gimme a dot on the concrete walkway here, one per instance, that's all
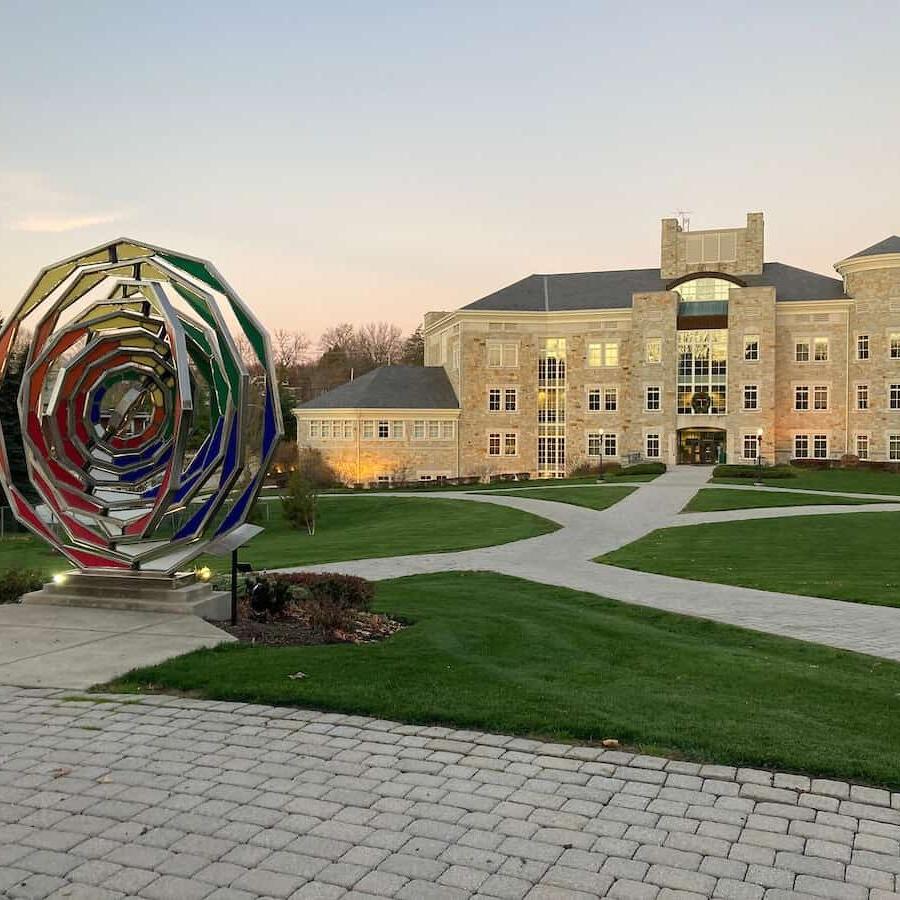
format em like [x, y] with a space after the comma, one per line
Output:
[57, 646]
[167, 798]
[564, 558]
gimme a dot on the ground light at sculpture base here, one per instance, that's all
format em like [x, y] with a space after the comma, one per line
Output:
[145, 434]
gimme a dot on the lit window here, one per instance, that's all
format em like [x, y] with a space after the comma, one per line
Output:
[384, 429]
[368, 429]
[801, 351]
[862, 396]
[652, 445]
[801, 446]
[820, 397]
[654, 350]
[705, 288]
[751, 446]
[611, 399]
[751, 396]
[820, 349]
[862, 446]
[593, 443]
[502, 354]
[603, 354]
[894, 396]
[862, 346]
[397, 430]
[820, 446]
[419, 430]
[751, 347]
[510, 400]
[610, 445]
[494, 444]
[894, 339]
[801, 397]
[494, 400]
[594, 400]
[448, 430]
[653, 398]
[894, 446]
[510, 441]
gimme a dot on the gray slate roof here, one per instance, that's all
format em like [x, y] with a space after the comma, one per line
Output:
[391, 387]
[888, 245]
[613, 290]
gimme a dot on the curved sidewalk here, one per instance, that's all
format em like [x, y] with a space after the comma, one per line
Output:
[564, 557]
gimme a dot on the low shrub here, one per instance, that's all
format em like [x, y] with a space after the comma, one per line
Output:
[590, 469]
[312, 467]
[325, 618]
[15, 582]
[344, 591]
[269, 596]
[735, 471]
[644, 468]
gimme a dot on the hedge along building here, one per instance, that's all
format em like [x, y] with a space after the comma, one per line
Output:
[714, 355]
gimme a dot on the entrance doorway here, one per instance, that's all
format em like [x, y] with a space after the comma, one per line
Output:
[698, 447]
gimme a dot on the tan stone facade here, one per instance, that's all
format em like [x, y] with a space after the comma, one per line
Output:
[707, 354]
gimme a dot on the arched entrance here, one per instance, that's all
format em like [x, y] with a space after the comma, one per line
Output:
[701, 446]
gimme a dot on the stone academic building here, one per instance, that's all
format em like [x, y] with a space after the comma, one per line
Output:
[715, 355]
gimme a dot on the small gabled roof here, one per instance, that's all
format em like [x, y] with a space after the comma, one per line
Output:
[391, 387]
[888, 245]
[613, 290]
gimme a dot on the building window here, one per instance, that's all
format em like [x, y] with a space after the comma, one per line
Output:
[603, 354]
[894, 396]
[594, 400]
[368, 429]
[801, 446]
[820, 446]
[397, 431]
[751, 396]
[862, 346]
[702, 371]
[594, 445]
[510, 400]
[348, 429]
[894, 446]
[862, 446]
[801, 351]
[751, 347]
[751, 446]
[494, 400]
[384, 479]
[652, 446]
[418, 431]
[610, 445]
[502, 354]
[455, 366]
[384, 430]
[862, 396]
[448, 430]
[314, 428]
[801, 397]
[653, 398]
[610, 399]
[494, 443]
[820, 397]
[820, 349]
[654, 350]
[510, 442]
[894, 339]
[434, 430]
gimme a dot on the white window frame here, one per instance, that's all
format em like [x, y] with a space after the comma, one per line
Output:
[502, 354]
[511, 438]
[797, 389]
[419, 430]
[507, 393]
[751, 348]
[495, 399]
[817, 354]
[893, 446]
[315, 429]
[495, 443]
[398, 430]
[384, 429]
[595, 393]
[804, 355]
[655, 436]
[862, 444]
[751, 404]
[862, 346]
[448, 430]
[894, 344]
[647, 400]
[593, 440]
[610, 444]
[368, 429]
[820, 397]
[805, 445]
[752, 440]
[862, 396]
[603, 354]
[894, 396]
[816, 439]
[614, 392]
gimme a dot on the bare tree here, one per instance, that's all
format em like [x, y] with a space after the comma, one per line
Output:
[339, 337]
[381, 343]
[289, 349]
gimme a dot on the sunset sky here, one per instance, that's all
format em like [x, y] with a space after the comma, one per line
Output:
[359, 161]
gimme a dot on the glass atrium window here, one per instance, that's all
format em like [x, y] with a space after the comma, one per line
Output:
[702, 371]
[705, 289]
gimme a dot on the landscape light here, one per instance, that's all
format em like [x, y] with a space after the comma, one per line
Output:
[59, 578]
[204, 573]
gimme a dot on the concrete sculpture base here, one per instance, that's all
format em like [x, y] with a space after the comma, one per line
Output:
[181, 593]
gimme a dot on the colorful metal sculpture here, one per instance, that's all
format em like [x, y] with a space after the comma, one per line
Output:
[133, 404]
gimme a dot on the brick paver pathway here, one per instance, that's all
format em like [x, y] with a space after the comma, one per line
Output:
[173, 799]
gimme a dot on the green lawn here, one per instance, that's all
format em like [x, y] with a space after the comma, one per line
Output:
[491, 652]
[863, 481]
[851, 556]
[713, 499]
[591, 497]
[348, 528]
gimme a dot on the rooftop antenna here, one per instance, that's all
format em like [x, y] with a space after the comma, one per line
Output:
[684, 217]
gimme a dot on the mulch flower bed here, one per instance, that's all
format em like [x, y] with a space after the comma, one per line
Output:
[292, 628]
